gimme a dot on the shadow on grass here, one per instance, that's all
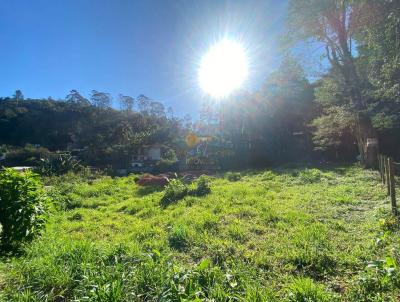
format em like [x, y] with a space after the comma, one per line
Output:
[8, 251]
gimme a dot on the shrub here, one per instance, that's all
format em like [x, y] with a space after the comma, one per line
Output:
[57, 164]
[26, 156]
[177, 190]
[202, 186]
[378, 282]
[174, 191]
[231, 176]
[166, 165]
[22, 207]
[389, 224]
[169, 154]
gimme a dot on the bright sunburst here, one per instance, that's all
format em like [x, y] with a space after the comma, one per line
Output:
[223, 69]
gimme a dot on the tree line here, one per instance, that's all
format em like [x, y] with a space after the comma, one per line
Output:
[334, 116]
[339, 114]
[105, 135]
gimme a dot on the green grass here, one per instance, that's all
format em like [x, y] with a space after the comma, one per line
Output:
[276, 235]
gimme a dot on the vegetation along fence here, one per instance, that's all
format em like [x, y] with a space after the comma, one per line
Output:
[387, 170]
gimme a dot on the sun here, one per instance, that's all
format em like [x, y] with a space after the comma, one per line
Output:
[223, 69]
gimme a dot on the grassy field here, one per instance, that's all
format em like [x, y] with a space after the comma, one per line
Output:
[289, 234]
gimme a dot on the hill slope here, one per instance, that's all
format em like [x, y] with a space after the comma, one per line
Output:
[286, 234]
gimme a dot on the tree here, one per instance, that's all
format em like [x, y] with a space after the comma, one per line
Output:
[101, 99]
[187, 122]
[157, 109]
[329, 91]
[75, 97]
[334, 130]
[126, 102]
[270, 125]
[379, 47]
[143, 104]
[379, 59]
[211, 117]
[170, 112]
[18, 96]
[333, 23]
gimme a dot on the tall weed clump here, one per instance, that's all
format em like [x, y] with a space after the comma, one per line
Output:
[58, 164]
[177, 190]
[306, 290]
[232, 176]
[202, 186]
[22, 208]
[174, 191]
[379, 281]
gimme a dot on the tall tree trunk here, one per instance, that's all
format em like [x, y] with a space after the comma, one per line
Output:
[341, 59]
[366, 135]
[367, 141]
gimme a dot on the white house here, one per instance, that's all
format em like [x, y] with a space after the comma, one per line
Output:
[146, 156]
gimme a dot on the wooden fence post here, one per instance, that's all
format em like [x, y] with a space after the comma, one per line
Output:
[381, 168]
[387, 179]
[392, 186]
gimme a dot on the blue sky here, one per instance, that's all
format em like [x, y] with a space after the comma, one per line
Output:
[49, 47]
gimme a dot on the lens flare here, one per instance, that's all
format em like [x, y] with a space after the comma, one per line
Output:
[223, 69]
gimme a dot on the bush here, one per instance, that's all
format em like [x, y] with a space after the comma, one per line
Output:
[22, 207]
[231, 176]
[202, 186]
[57, 164]
[379, 281]
[166, 165]
[26, 156]
[391, 223]
[169, 154]
[175, 191]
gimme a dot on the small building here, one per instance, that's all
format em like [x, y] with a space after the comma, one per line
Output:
[146, 157]
[148, 153]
